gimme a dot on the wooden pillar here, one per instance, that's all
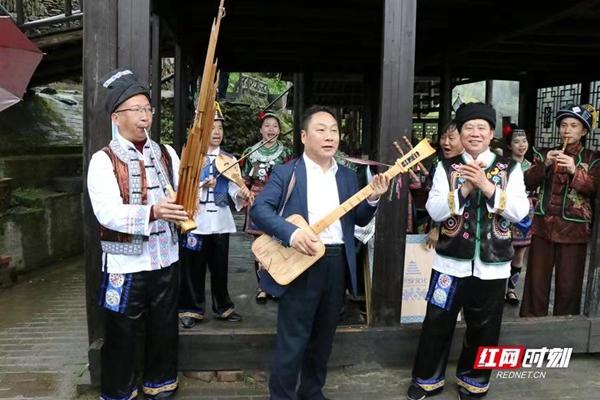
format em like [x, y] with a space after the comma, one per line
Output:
[489, 91]
[592, 297]
[156, 75]
[106, 46]
[528, 108]
[68, 8]
[298, 110]
[20, 11]
[585, 91]
[181, 88]
[396, 103]
[445, 98]
[133, 41]
[367, 117]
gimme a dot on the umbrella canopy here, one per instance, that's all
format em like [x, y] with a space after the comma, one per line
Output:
[19, 58]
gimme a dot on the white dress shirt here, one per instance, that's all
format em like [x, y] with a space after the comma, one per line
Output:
[211, 218]
[159, 250]
[516, 208]
[322, 198]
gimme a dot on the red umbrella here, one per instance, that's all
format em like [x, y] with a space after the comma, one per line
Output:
[19, 58]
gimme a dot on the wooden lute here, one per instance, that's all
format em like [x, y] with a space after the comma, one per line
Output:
[285, 264]
[230, 169]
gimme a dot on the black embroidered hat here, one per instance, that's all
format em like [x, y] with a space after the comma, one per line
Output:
[121, 84]
[469, 111]
[586, 113]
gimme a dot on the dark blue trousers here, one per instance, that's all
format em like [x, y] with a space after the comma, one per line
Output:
[306, 322]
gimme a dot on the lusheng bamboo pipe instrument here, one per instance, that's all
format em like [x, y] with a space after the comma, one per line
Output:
[194, 151]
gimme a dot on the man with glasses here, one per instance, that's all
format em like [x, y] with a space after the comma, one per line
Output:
[475, 195]
[126, 184]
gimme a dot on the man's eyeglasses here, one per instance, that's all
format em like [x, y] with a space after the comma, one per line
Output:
[140, 110]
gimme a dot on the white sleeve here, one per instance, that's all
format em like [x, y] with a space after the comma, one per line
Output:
[233, 190]
[107, 202]
[512, 203]
[439, 202]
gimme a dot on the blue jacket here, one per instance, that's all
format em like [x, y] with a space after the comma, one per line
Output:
[265, 212]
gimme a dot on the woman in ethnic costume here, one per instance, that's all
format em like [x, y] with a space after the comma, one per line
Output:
[258, 167]
[517, 144]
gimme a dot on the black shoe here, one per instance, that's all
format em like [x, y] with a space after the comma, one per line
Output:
[187, 322]
[415, 392]
[231, 317]
[261, 297]
[511, 297]
[464, 394]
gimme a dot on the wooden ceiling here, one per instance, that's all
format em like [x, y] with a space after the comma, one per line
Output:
[551, 40]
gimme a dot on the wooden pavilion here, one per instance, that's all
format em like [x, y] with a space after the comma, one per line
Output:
[383, 49]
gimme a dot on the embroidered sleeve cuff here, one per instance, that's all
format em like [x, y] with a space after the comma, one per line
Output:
[497, 203]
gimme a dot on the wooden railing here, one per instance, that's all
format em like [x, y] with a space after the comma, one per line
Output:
[59, 22]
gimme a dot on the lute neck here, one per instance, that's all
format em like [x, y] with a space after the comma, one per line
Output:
[418, 153]
[352, 202]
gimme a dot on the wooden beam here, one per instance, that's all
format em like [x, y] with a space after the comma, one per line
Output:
[99, 40]
[522, 23]
[396, 107]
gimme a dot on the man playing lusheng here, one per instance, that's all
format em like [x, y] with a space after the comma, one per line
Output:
[139, 245]
[476, 196]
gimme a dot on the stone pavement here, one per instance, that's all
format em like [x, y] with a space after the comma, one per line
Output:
[43, 334]
[43, 351]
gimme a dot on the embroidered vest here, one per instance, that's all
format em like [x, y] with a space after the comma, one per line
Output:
[557, 197]
[477, 231]
[131, 178]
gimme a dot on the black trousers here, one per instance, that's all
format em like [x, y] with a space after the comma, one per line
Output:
[482, 304]
[306, 321]
[214, 255]
[151, 306]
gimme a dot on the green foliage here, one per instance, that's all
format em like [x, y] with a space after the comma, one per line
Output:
[167, 117]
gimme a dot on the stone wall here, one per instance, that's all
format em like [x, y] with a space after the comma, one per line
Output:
[46, 229]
